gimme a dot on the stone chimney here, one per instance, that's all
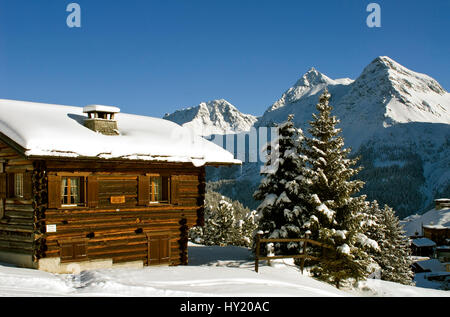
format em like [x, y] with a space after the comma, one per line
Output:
[442, 203]
[101, 119]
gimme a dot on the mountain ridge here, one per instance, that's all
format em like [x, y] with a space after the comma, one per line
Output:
[396, 119]
[213, 117]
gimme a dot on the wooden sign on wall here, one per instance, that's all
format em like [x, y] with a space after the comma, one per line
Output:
[117, 199]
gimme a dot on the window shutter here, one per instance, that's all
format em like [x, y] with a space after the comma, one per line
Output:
[174, 190]
[73, 249]
[27, 185]
[10, 185]
[165, 183]
[79, 250]
[54, 191]
[3, 193]
[92, 191]
[164, 247]
[158, 248]
[153, 250]
[66, 251]
[3, 185]
[144, 190]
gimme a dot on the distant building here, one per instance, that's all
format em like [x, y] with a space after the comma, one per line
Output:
[438, 233]
[423, 247]
[431, 265]
[442, 203]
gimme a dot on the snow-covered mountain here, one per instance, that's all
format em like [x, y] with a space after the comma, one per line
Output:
[385, 94]
[397, 120]
[213, 117]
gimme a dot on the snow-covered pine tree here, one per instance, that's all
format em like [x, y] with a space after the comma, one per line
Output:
[337, 215]
[284, 190]
[219, 224]
[227, 222]
[393, 257]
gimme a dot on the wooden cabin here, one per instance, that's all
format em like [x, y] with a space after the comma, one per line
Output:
[93, 187]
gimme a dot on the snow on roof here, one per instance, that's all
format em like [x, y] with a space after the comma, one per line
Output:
[433, 217]
[433, 265]
[58, 131]
[101, 108]
[423, 242]
[435, 227]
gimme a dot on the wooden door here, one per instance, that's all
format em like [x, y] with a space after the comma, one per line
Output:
[158, 248]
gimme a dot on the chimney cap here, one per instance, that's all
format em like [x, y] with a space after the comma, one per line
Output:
[100, 108]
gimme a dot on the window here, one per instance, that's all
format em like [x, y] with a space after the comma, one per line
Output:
[72, 191]
[18, 185]
[159, 189]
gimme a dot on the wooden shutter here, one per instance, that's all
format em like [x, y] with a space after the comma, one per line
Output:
[174, 190]
[3, 192]
[158, 248]
[72, 249]
[3, 185]
[10, 185]
[79, 250]
[92, 191]
[144, 190]
[27, 185]
[164, 249]
[66, 251]
[153, 250]
[165, 184]
[54, 191]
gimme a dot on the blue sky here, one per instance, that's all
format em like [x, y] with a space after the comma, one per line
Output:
[152, 57]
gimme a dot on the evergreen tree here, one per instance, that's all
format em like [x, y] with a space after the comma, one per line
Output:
[227, 222]
[337, 215]
[393, 257]
[284, 189]
[219, 229]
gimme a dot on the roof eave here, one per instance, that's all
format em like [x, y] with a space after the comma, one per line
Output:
[13, 144]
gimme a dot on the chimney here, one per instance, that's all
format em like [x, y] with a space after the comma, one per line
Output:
[442, 203]
[101, 119]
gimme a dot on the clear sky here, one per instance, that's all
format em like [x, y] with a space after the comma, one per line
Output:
[152, 57]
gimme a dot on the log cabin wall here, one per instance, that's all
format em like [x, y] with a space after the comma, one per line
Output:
[117, 221]
[18, 240]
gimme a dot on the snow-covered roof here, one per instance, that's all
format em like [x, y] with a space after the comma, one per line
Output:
[423, 242]
[433, 217]
[433, 265]
[57, 131]
[101, 108]
[435, 227]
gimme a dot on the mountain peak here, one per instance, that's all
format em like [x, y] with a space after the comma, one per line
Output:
[386, 60]
[312, 78]
[386, 64]
[213, 117]
[384, 70]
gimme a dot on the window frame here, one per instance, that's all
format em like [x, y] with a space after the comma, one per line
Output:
[161, 201]
[18, 185]
[82, 189]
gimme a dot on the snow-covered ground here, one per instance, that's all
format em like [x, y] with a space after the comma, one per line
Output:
[212, 272]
